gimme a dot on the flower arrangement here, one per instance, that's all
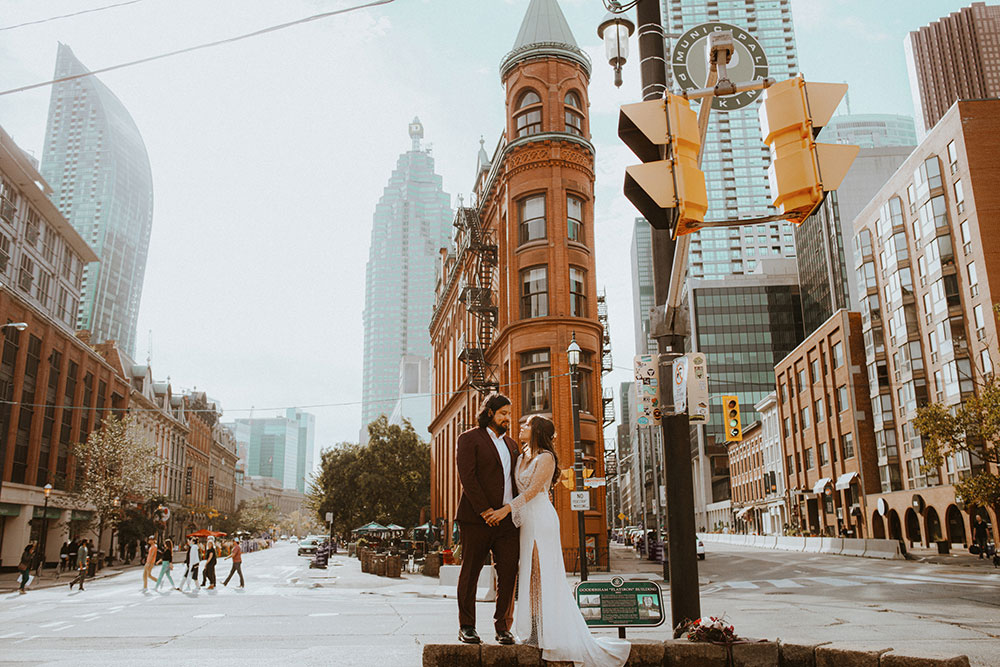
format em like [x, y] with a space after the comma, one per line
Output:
[712, 629]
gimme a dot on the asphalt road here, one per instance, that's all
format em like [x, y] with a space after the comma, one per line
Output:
[294, 615]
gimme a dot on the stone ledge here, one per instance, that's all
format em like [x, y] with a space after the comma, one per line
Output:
[682, 653]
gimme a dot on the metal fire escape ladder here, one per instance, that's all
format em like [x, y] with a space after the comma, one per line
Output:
[478, 300]
[607, 365]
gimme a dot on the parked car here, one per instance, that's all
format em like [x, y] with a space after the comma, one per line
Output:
[700, 549]
[307, 547]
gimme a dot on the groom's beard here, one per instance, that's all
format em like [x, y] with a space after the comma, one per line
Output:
[500, 430]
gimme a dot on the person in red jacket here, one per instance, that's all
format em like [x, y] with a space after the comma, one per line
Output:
[237, 555]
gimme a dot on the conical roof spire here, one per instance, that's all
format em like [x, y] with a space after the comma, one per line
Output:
[544, 31]
[483, 162]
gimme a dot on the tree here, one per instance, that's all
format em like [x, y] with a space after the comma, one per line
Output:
[973, 427]
[387, 480]
[256, 515]
[299, 522]
[115, 464]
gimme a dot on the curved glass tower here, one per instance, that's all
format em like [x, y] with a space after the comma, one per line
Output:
[95, 160]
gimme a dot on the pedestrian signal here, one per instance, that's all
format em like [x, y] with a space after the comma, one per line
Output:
[802, 171]
[669, 187]
[731, 418]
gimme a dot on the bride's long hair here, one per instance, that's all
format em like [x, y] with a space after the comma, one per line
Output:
[543, 432]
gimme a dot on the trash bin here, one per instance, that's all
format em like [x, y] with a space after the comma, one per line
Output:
[944, 546]
[393, 566]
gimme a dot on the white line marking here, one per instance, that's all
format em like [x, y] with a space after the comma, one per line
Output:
[883, 580]
[784, 583]
[209, 615]
[65, 627]
[49, 625]
[741, 584]
[13, 634]
[830, 581]
[27, 639]
[327, 613]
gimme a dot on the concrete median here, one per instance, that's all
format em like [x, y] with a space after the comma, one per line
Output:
[831, 545]
[885, 549]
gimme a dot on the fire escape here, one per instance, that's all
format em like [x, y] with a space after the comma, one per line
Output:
[478, 300]
[608, 393]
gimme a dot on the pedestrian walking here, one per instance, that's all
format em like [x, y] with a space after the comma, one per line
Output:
[130, 551]
[81, 565]
[64, 557]
[166, 561]
[24, 567]
[980, 535]
[211, 556]
[193, 559]
[39, 561]
[237, 556]
[151, 560]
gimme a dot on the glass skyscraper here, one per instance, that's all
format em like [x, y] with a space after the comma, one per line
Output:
[96, 162]
[642, 285]
[412, 222]
[279, 447]
[870, 130]
[735, 157]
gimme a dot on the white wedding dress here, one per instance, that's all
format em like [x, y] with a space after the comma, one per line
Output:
[546, 614]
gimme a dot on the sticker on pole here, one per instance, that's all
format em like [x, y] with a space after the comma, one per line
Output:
[689, 63]
[620, 603]
[579, 500]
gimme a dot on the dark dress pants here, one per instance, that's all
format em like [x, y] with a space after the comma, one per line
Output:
[478, 541]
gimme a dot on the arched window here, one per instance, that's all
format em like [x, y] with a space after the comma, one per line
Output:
[574, 117]
[528, 121]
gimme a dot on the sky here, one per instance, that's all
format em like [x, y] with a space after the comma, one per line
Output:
[269, 155]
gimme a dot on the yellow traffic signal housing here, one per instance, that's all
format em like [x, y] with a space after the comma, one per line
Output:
[568, 478]
[802, 171]
[668, 188]
[731, 418]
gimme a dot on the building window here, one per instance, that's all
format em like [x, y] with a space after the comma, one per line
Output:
[800, 380]
[808, 455]
[822, 453]
[535, 387]
[577, 292]
[27, 274]
[838, 354]
[531, 215]
[847, 446]
[574, 117]
[534, 292]
[787, 428]
[814, 371]
[952, 156]
[528, 120]
[804, 418]
[842, 398]
[574, 218]
[586, 374]
[959, 197]
[973, 278]
[820, 410]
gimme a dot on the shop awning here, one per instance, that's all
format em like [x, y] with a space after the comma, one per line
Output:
[820, 485]
[844, 481]
[10, 509]
[739, 515]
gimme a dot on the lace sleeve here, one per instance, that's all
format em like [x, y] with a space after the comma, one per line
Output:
[541, 479]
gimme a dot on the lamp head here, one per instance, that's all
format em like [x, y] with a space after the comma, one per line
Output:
[573, 352]
[615, 30]
[48, 489]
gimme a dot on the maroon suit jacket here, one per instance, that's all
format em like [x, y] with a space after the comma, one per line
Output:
[481, 473]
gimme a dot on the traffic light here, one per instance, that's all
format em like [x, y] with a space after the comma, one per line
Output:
[791, 115]
[568, 478]
[668, 188]
[731, 418]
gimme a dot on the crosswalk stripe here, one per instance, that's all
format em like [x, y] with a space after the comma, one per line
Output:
[741, 584]
[784, 583]
[882, 580]
[831, 581]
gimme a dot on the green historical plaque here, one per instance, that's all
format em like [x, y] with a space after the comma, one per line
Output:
[620, 603]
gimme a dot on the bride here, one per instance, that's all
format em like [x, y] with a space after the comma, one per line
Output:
[546, 614]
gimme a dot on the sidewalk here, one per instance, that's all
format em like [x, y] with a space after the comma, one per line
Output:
[958, 557]
[11, 581]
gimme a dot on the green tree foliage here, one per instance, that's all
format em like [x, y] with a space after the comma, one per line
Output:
[972, 427]
[256, 515]
[116, 465]
[388, 480]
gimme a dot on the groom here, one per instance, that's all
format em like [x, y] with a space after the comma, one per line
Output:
[486, 463]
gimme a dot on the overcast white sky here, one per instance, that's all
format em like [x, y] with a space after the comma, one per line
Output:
[268, 157]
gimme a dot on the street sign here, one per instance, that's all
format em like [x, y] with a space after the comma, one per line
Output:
[579, 500]
[329, 517]
[690, 66]
[646, 389]
[620, 603]
[621, 515]
[594, 481]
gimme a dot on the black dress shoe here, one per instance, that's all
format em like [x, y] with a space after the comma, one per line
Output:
[467, 635]
[504, 637]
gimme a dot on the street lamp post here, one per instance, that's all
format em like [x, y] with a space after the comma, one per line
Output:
[573, 356]
[45, 521]
[615, 30]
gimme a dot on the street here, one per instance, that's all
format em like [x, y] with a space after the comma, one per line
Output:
[307, 617]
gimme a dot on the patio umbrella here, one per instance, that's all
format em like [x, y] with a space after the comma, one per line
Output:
[393, 527]
[373, 527]
[204, 532]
